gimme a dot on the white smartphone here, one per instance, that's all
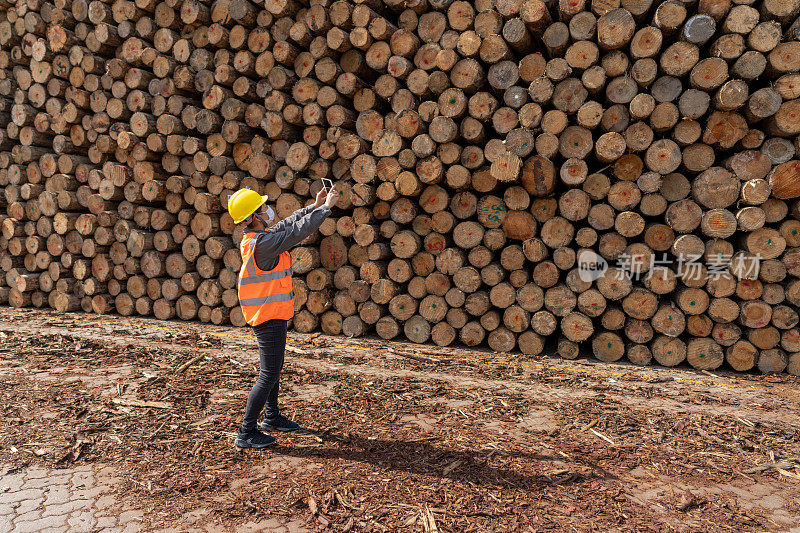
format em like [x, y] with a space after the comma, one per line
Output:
[327, 185]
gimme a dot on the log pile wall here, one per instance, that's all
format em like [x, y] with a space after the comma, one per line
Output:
[486, 152]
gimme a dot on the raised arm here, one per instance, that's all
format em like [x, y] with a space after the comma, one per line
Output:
[294, 217]
[275, 241]
[284, 235]
[303, 211]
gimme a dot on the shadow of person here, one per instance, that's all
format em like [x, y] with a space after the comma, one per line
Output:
[420, 457]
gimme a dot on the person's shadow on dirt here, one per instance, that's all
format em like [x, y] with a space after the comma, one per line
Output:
[422, 458]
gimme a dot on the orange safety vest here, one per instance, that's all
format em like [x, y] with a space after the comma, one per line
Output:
[264, 294]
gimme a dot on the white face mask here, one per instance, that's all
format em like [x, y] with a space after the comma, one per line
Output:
[270, 216]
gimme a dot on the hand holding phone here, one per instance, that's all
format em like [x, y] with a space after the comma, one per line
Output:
[332, 198]
[322, 195]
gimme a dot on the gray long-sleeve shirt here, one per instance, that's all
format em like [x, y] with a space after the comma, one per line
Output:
[287, 233]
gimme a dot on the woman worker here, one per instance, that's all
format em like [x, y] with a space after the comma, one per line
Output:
[266, 297]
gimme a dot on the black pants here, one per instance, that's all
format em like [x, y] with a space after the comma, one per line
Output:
[271, 337]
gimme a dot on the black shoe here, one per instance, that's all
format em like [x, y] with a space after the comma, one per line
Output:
[279, 423]
[256, 439]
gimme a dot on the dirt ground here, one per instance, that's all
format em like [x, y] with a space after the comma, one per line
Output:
[399, 437]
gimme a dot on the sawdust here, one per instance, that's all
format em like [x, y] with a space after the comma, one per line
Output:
[394, 443]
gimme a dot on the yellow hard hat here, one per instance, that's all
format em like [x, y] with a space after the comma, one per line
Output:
[244, 203]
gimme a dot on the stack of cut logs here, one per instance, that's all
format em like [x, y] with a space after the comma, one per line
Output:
[484, 149]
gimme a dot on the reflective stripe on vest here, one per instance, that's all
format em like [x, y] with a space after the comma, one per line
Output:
[269, 276]
[262, 295]
[267, 299]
